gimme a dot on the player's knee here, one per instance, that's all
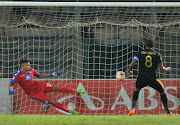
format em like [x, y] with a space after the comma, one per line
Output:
[56, 89]
[51, 101]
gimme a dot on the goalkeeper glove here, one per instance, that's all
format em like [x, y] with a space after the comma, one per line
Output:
[11, 92]
[55, 74]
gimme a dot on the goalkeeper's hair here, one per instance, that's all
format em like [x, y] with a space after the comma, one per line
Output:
[149, 43]
[23, 61]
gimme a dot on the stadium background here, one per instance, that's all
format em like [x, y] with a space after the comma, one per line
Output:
[11, 54]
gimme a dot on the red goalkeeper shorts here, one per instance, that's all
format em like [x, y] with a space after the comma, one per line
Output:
[43, 89]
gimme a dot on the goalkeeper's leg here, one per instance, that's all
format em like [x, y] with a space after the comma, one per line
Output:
[62, 107]
[67, 90]
[45, 107]
[42, 97]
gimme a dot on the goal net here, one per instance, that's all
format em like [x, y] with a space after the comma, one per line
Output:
[88, 45]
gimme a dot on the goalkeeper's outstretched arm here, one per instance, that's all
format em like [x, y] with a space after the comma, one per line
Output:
[44, 76]
[11, 91]
[10, 86]
[48, 75]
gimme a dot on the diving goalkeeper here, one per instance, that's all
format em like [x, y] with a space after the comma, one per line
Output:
[38, 90]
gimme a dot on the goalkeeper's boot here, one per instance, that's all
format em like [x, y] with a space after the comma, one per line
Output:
[131, 112]
[73, 112]
[45, 107]
[82, 91]
[169, 113]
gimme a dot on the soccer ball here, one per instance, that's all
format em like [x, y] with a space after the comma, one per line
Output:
[120, 75]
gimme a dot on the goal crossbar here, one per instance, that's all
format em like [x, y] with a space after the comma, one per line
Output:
[93, 4]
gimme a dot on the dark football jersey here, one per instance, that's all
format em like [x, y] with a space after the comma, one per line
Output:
[148, 62]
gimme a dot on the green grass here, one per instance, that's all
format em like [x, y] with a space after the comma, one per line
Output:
[89, 120]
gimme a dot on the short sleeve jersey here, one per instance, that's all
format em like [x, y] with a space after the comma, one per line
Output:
[26, 80]
[148, 60]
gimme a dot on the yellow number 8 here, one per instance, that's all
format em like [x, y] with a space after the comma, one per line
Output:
[148, 62]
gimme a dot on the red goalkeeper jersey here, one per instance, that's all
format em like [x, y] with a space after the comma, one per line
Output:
[26, 80]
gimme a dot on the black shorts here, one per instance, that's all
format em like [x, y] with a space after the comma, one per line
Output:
[156, 84]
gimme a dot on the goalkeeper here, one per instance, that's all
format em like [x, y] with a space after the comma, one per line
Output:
[38, 90]
[148, 60]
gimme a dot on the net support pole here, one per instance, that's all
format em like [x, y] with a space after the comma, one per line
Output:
[152, 21]
[79, 45]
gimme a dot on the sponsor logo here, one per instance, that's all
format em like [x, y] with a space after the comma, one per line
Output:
[87, 99]
[107, 97]
[28, 77]
[126, 100]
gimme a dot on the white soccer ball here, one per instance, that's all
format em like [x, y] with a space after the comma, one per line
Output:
[120, 75]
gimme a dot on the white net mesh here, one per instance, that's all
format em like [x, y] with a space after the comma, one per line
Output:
[89, 45]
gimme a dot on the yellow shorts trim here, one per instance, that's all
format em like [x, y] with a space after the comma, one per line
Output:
[159, 81]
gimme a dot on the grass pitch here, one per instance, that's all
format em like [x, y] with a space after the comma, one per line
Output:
[89, 120]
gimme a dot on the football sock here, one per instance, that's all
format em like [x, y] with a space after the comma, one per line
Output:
[135, 97]
[165, 102]
[60, 106]
[81, 91]
[67, 90]
[73, 112]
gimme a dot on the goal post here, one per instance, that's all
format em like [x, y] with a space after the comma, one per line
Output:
[88, 43]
